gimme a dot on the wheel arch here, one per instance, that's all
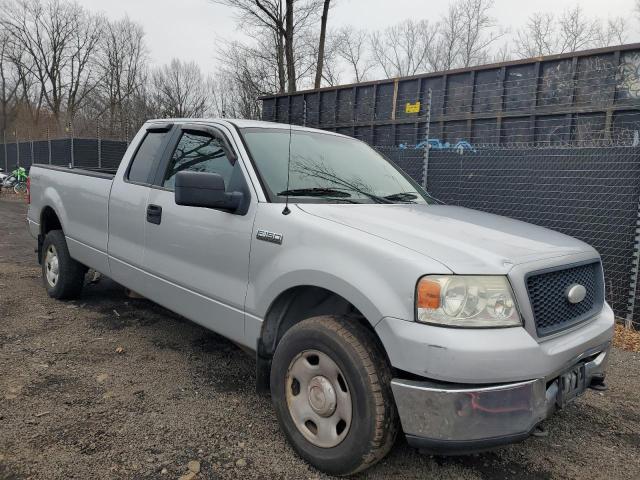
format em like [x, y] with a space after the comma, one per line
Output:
[294, 305]
[49, 220]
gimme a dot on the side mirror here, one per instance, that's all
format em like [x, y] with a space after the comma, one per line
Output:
[201, 189]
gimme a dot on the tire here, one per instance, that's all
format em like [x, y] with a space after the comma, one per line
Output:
[20, 187]
[63, 277]
[369, 430]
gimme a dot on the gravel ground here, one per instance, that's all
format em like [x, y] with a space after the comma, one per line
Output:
[71, 406]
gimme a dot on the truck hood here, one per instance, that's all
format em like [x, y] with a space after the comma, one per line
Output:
[466, 241]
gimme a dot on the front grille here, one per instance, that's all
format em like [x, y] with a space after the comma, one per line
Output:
[547, 289]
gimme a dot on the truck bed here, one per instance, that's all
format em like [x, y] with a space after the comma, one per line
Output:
[80, 199]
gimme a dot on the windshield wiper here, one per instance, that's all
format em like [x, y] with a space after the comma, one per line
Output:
[314, 192]
[410, 196]
[402, 197]
[330, 192]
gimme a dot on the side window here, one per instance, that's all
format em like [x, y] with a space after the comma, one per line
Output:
[199, 152]
[145, 156]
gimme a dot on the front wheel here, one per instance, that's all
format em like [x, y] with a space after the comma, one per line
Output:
[63, 277]
[330, 385]
[20, 188]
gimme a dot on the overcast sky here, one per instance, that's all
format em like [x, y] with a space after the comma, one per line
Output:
[188, 28]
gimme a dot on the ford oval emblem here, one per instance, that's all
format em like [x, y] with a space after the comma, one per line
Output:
[576, 293]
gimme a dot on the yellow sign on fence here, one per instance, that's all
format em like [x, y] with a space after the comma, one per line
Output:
[412, 107]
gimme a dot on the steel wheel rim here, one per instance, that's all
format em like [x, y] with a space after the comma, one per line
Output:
[52, 266]
[318, 398]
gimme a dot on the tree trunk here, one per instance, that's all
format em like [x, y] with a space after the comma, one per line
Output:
[282, 77]
[323, 35]
[289, 50]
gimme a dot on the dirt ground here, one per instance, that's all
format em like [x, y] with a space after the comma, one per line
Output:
[71, 406]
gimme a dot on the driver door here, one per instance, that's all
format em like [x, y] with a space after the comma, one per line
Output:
[198, 258]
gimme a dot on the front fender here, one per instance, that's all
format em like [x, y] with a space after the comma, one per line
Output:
[378, 277]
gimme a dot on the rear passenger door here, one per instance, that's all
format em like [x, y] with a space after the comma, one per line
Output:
[198, 258]
[128, 205]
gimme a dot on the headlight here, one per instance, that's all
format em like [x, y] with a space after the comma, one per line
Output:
[466, 301]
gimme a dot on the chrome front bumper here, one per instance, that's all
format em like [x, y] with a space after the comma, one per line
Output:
[448, 419]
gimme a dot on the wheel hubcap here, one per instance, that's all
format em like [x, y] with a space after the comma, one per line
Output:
[52, 266]
[322, 396]
[318, 398]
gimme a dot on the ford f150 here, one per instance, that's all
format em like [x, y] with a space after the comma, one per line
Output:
[370, 305]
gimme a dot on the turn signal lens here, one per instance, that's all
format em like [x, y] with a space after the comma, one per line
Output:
[428, 294]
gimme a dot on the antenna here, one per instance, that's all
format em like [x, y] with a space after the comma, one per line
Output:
[286, 210]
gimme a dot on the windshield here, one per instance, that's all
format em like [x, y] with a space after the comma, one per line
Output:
[326, 168]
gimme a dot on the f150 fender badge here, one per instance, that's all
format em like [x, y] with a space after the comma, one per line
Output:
[269, 237]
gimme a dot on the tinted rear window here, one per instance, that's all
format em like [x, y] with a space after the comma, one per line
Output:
[143, 161]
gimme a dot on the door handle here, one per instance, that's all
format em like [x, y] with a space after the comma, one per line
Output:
[154, 214]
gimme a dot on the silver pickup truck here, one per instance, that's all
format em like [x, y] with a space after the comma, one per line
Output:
[370, 305]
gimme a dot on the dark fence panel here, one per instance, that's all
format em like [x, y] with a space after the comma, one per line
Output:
[588, 193]
[60, 152]
[112, 152]
[40, 152]
[87, 153]
[12, 156]
[26, 154]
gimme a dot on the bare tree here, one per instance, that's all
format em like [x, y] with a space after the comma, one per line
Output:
[502, 54]
[402, 49]
[544, 34]
[576, 32]
[57, 41]
[283, 19]
[30, 96]
[248, 72]
[180, 89]
[538, 37]
[122, 64]
[9, 83]
[615, 32]
[450, 31]
[266, 15]
[321, 42]
[351, 46]
[309, 50]
[478, 31]
[289, 50]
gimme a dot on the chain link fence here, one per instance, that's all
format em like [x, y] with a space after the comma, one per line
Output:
[591, 193]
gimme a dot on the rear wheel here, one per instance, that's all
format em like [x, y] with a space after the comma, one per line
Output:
[63, 277]
[330, 385]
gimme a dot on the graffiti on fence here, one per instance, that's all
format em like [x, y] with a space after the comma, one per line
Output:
[460, 146]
